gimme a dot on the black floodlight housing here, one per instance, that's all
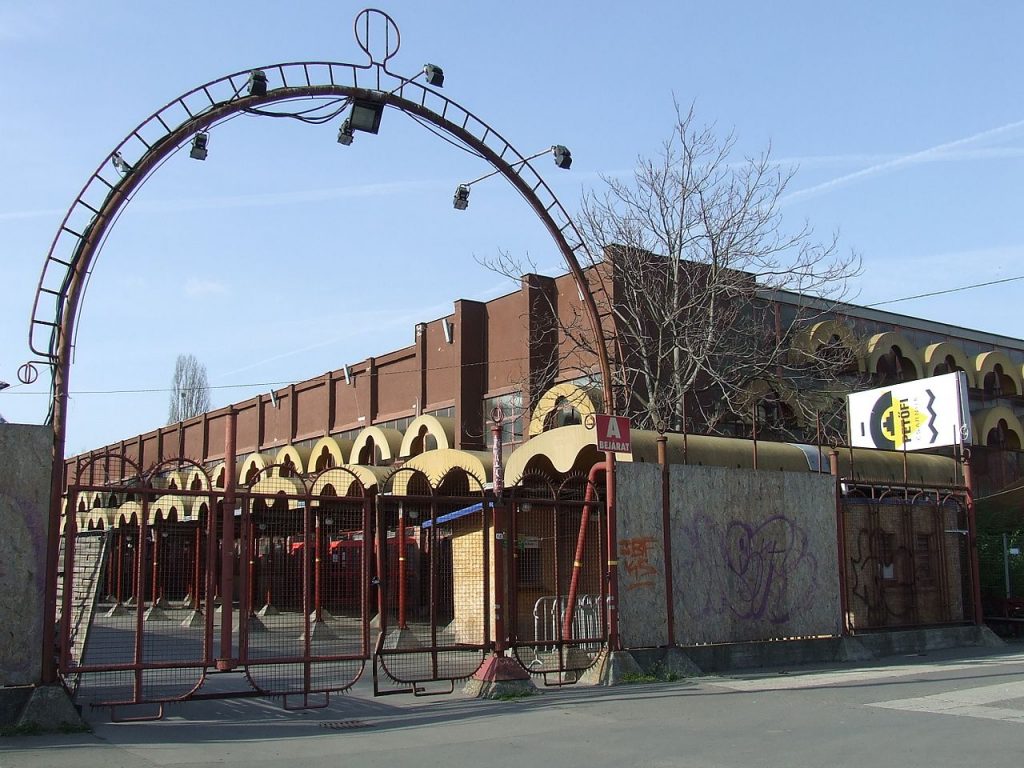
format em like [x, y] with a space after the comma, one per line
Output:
[345, 133]
[563, 157]
[365, 115]
[199, 143]
[119, 163]
[435, 75]
[257, 83]
[461, 199]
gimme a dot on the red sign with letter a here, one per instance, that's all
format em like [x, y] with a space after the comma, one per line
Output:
[613, 433]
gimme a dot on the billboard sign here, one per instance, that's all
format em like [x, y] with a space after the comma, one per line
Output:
[930, 413]
[613, 433]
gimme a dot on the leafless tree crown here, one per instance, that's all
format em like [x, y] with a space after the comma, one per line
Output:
[190, 389]
[687, 257]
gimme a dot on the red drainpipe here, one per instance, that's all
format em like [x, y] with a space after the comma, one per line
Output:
[581, 540]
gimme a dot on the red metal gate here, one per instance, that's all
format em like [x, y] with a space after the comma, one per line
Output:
[907, 561]
[302, 579]
[555, 577]
[277, 588]
[435, 581]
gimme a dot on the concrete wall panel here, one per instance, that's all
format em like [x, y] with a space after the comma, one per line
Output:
[25, 453]
[754, 555]
[642, 609]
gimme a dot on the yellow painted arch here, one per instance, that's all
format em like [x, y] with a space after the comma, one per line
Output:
[172, 503]
[881, 343]
[126, 511]
[221, 467]
[809, 340]
[548, 402]
[441, 428]
[563, 450]
[254, 462]
[93, 516]
[986, 363]
[987, 420]
[388, 440]
[342, 478]
[436, 465]
[298, 456]
[337, 449]
[936, 354]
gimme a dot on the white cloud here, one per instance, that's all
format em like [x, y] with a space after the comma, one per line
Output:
[951, 150]
[197, 287]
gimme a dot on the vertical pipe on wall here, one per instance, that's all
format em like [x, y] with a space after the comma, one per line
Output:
[581, 541]
[666, 539]
[833, 464]
[227, 547]
[972, 539]
[613, 550]
[402, 575]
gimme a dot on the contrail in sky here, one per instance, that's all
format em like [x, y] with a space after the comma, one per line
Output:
[924, 155]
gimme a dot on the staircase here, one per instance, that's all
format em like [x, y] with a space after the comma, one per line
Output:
[91, 549]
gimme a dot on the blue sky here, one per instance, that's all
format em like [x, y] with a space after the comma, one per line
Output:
[285, 255]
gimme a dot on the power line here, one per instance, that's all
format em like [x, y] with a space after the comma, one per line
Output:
[948, 290]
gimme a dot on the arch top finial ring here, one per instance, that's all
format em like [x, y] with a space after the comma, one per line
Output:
[377, 34]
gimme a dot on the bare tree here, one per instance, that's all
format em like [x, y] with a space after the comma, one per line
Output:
[190, 389]
[685, 259]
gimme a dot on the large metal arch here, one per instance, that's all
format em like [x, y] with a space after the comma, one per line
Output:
[107, 192]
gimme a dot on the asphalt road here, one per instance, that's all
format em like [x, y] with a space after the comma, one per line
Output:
[951, 708]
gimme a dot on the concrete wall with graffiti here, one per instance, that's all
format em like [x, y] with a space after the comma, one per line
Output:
[753, 555]
[24, 498]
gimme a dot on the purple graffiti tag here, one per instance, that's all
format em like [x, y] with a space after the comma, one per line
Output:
[755, 571]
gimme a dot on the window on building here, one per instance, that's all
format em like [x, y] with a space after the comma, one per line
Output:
[513, 418]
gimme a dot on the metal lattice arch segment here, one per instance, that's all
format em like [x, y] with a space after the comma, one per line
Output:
[144, 149]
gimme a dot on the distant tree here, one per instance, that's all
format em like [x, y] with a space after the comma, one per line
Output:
[190, 389]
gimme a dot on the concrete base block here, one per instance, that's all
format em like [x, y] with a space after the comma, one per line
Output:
[324, 616]
[850, 649]
[989, 639]
[375, 622]
[500, 677]
[255, 625]
[194, 619]
[400, 639]
[319, 630]
[117, 609]
[12, 701]
[677, 664]
[50, 708]
[267, 610]
[155, 613]
[611, 668]
[902, 642]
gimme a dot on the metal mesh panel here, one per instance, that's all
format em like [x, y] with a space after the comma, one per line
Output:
[906, 563]
[143, 615]
[433, 580]
[557, 598]
[303, 590]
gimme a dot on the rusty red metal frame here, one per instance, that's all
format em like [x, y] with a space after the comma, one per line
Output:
[98, 205]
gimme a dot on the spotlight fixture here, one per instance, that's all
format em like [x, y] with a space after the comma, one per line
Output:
[365, 115]
[199, 142]
[435, 75]
[461, 199]
[563, 157]
[257, 83]
[119, 163]
[345, 133]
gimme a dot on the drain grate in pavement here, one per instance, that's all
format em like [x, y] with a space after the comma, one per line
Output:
[341, 725]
